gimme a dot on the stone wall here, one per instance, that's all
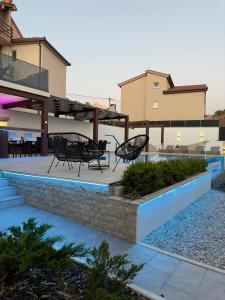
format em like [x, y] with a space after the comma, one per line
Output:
[93, 208]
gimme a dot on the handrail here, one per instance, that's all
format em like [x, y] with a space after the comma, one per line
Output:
[113, 136]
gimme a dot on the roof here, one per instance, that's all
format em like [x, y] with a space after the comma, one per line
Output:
[7, 4]
[16, 27]
[145, 74]
[187, 89]
[43, 40]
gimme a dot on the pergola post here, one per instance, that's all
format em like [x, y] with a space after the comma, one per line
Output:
[162, 136]
[44, 128]
[95, 125]
[147, 133]
[126, 129]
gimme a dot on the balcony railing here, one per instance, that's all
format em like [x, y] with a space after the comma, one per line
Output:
[20, 72]
[5, 30]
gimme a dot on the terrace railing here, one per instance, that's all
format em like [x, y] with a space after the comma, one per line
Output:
[20, 72]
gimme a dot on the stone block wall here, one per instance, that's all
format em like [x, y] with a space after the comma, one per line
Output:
[93, 208]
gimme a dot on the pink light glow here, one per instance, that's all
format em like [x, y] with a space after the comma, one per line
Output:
[5, 99]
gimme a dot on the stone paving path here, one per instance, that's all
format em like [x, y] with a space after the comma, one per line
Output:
[162, 274]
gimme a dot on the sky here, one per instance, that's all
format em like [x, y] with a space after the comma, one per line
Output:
[108, 42]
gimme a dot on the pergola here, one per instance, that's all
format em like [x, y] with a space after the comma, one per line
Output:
[144, 124]
[61, 106]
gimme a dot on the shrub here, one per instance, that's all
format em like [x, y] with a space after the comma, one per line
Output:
[141, 178]
[25, 248]
[108, 274]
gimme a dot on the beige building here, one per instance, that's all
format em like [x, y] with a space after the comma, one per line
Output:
[36, 51]
[153, 96]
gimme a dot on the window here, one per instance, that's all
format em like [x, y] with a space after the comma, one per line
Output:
[156, 85]
[13, 54]
[156, 104]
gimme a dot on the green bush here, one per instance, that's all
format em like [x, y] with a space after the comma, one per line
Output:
[141, 178]
[25, 248]
[109, 275]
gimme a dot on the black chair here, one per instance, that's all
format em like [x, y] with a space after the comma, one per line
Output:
[74, 147]
[131, 149]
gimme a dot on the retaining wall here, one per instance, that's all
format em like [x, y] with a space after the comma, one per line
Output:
[93, 205]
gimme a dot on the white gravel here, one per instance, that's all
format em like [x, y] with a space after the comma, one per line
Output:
[198, 232]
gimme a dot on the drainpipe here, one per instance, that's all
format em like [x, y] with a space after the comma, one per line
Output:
[40, 62]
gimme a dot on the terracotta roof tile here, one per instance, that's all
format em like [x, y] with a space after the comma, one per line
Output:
[187, 88]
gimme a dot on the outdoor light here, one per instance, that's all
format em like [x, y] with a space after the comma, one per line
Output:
[46, 122]
[178, 136]
[4, 121]
[202, 136]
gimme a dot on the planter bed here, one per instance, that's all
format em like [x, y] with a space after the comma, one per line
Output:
[62, 286]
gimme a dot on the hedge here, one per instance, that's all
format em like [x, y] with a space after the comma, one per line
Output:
[142, 178]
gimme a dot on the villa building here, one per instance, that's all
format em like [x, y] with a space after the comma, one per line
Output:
[33, 50]
[153, 96]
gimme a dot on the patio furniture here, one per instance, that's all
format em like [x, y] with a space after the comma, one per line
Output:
[103, 144]
[131, 149]
[14, 144]
[215, 150]
[198, 150]
[168, 149]
[103, 161]
[182, 150]
[73, 147]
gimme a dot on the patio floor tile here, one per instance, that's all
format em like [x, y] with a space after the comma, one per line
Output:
[187, 277]
[165, 263]
[210, 290]
[171, 293]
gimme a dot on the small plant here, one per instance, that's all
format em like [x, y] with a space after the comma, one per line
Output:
[109, 275]
[141, 178]
[26, 247]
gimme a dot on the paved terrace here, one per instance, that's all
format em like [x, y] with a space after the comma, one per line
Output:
[39, 166]
[175, 279]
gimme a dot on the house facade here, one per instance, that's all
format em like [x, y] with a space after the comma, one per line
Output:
[38, 51]
[153, 96]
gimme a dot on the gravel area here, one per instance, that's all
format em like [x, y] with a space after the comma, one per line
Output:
[198, 232]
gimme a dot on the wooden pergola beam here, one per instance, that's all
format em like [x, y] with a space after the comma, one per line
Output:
[95, 125]
[147, 133]
[22, 103]
[162, 135]
[44, 128]
[126, 131]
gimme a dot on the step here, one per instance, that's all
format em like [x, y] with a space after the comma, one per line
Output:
[7, 191]
[11, 201]
[4, 182]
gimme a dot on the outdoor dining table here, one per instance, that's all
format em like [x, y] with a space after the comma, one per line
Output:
[4, 138]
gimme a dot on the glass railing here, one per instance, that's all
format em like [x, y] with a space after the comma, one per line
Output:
[20, 72]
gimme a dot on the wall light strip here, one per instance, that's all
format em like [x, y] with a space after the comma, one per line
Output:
[83, 184]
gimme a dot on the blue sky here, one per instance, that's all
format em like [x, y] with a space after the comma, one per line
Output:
[110, 41]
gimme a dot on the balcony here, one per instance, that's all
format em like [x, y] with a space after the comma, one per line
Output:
[22, 73]
[6, 33]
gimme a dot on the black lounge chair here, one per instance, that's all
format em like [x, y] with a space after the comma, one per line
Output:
[132, 148]
[74, 147]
